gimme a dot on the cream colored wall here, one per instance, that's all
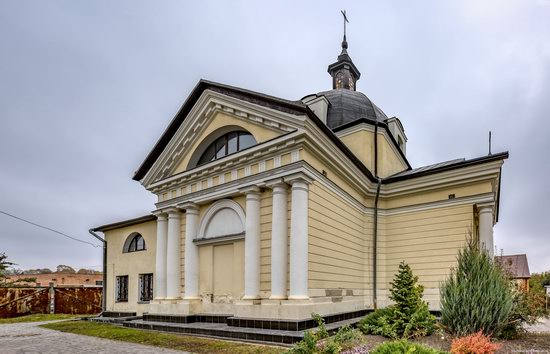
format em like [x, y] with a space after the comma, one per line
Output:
[441, 194]
[131, 264]
[361, 143]
[266, 203]
[428, 241]
[220, 120]
[389, 162]
[340, 239]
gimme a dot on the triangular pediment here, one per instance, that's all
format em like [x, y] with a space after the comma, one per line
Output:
[213, 112]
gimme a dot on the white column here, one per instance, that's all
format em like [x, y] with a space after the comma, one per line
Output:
[279, 241]
[191, 252]
[299, 240]
[252, 244]
[173, 255]
[160, 261]
[486, 228]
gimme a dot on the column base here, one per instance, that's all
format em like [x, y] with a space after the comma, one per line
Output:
[251, 297]
[277, 297]
[175, 306]
[298, 297]
[191, 298]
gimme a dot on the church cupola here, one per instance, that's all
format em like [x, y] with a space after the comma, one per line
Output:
[343, 71]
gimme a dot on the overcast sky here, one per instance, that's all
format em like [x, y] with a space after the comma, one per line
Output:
[87, 87]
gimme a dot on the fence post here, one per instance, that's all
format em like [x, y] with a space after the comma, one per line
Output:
[52, 298]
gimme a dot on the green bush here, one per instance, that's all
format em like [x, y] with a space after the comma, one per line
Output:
[526, 309]
[319, 342]
[377, 322]
[477, 296]
[404, 347]
[409, 317]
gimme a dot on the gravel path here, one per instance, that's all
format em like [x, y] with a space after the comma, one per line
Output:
[542, 327]
[28, 338]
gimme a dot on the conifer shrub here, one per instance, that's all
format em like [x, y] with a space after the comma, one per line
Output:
[477, 296]
[404, 347]
[409, 317]
[476, 343]
[320, 342]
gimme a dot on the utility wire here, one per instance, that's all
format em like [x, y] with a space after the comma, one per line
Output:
[49, 229]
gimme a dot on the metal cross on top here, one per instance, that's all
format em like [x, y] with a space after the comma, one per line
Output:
[345, 20]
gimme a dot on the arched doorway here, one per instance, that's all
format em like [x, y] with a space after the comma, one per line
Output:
[221, 255]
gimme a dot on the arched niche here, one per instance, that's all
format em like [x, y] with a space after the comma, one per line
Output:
[224, 218]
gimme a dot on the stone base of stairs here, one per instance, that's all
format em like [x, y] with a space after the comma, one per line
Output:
[283, 332]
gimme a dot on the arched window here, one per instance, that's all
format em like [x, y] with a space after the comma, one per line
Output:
[134, 242]
[225, 145]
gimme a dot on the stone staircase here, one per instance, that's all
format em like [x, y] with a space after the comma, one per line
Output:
[282, 332]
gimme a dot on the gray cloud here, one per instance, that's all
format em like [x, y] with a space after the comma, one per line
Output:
[86, 88]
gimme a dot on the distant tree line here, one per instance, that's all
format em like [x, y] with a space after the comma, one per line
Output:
[7, 269]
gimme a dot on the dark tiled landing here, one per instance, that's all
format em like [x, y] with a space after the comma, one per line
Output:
[291, 325]
[117, 314]
[114, 319]
[222, 330]
[207, 318]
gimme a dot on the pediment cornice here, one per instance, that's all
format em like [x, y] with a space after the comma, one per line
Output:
[203, 112]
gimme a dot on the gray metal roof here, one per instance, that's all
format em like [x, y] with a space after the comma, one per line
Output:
[428, 168]
[515, 264]
[347, 106]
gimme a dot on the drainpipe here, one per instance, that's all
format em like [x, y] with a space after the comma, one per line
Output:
[376, 148]
[104, 287]
[375, 222]
[375, 246]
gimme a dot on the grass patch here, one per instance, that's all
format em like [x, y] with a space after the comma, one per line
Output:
[39, 317]
[163, 340]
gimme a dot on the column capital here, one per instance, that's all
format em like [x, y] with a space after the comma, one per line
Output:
[253, 189]
[485, 207]
[189, 207]
[173, 212]
[276, 183]
[160, 214]
[299, 177]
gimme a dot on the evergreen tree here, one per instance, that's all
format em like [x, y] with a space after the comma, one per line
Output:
[477, 296]
[411, 316]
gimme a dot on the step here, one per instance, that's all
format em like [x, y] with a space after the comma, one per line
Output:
[222, 330]
[114, 319]
[292, 325]
[117, 314]
[199, 317]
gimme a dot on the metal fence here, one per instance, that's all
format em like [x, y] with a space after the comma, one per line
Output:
[77, 300]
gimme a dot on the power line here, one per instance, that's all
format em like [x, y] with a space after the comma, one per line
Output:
[49, 229]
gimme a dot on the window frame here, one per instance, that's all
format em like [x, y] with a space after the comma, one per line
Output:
[122, 282]
[225, 139]
[146, 287]
[134, 244]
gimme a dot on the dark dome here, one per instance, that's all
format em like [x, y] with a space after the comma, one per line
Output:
[348, 106]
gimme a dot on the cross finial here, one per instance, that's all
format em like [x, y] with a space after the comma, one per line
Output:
[345, 20]
[344, 42]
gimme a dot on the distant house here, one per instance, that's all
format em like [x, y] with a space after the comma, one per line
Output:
[518, 268]
[67, 279]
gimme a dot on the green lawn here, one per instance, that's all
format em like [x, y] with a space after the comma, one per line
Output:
[38, 318]
[164, 340]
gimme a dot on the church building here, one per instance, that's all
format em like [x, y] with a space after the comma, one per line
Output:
[270, 208]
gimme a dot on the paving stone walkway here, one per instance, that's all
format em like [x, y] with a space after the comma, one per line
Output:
[28, 338]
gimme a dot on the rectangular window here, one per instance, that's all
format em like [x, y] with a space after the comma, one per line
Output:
[122, 288]
[145, 287]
